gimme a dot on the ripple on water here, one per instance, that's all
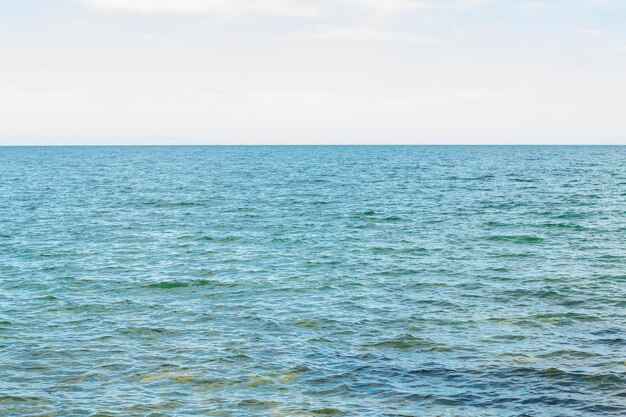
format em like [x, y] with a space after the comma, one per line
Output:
[313, 281]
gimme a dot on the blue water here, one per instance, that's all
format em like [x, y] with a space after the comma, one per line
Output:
[306, 281]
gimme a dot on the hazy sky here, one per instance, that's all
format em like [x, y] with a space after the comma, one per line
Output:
[304, 71]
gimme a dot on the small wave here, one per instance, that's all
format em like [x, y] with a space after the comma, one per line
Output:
[518, 239]
[523, 293]
[212, 283]
[566, 226]
[392, 219]
[327, 412]
[602, 379]
[495, 223]
[371, 215]
[617, 341]
[171, 204]
[22, 399]
[568, 353]
[258, 403]
[398, 272]
[166, 285]
[571, 215]
[517, 255]
[314, 323]
[220, 239]
[568, 317]
[145, 330]
[404, 342]
[506, 338]
[381, 250]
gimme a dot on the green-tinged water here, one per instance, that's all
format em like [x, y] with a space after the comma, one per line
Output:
[313, 281]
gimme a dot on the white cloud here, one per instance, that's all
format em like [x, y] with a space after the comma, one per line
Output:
[612, 51]
[12, 97]
[367, 34]
[427, 71]
[593, 32]
[415, 4]
[594, 3]
[220, 8]
[241, 116]
[534, 5]
[306, 8]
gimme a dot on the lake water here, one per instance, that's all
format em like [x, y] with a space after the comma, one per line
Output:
[313, 281]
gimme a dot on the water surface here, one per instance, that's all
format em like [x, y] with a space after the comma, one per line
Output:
[308, 281]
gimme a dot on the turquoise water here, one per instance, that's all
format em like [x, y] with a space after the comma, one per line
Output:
[306, 281]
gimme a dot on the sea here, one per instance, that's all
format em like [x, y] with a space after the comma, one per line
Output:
[313, 281]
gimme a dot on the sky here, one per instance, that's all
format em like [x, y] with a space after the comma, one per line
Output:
[312, 72]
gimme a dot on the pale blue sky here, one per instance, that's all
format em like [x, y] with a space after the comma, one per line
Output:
[302, 71]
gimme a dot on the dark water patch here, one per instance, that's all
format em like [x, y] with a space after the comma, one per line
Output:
[206, 272]
[565, 317]
[445, 304]
[521, 239]
[216, 383]
[22, 399]
[564, 226]
[514, 321]
[172, 204]
[403, 342]
[592, 409]
[48, 297]
[498, 269]
[381, 250]
[316, 323]
[505, 338]
[520, 293]
[213, 283]
[392, 219]
[568, 354]
[258, 403]
[372, 216]
[616, 341]
[397, 273]
[571, 215]
[327, 412]
[143, 330]
[218, 239]
[426, 284]
[496, 224]
[168, 285]
[607, 331]
[620, 259]
[527, 180]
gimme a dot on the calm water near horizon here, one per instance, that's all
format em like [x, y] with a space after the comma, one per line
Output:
[313, 281]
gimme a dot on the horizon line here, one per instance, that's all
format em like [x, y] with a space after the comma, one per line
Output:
[299, 145]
